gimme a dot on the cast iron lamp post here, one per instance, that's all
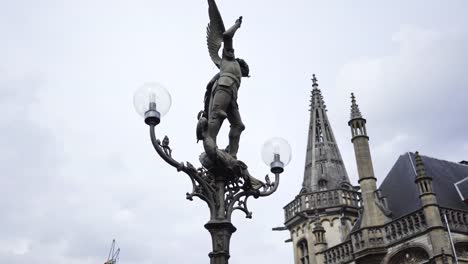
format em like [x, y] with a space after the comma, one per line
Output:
[223, 188]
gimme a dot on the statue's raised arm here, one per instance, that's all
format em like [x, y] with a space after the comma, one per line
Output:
[228, 49]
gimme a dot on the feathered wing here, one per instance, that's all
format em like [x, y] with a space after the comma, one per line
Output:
[214, 32]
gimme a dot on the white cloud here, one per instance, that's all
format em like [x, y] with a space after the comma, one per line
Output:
[15, 246]
[413, 99]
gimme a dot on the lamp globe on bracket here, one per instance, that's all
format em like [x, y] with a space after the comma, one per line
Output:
[152, 101]
[276, 153]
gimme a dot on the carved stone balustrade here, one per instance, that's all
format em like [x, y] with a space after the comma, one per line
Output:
[325, 199]
[393, 232]
[377, 237]
[340, 253]
[405, 227]
[368, 238]
[457, 220]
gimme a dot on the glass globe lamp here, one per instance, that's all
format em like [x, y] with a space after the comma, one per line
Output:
[276, 153]
[152, 101]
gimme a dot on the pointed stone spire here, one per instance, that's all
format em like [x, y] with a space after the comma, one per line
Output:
[357, 122]
[355, 112]
[423, 181]
[316, 98]
[420, 169]
[324, 167]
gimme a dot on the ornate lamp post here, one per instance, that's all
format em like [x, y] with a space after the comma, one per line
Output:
[225, 183]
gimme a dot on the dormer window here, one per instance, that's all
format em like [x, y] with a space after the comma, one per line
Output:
[346, 185]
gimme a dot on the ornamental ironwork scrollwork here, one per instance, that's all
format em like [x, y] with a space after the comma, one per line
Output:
[238, 187]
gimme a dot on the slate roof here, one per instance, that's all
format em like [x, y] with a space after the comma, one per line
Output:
[402, 192]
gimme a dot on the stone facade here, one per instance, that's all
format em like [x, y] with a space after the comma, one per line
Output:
[333, 222]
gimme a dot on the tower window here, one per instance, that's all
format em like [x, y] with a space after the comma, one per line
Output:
[322, 184]
[319, 133]
[303, 252]
[327, 132]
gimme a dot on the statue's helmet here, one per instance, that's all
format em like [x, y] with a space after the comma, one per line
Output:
[244, 67]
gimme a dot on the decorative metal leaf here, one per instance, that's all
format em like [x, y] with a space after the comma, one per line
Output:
[214, 32]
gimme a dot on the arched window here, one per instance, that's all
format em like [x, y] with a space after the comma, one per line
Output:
[411, 255]
[322, 183]
[303, 252]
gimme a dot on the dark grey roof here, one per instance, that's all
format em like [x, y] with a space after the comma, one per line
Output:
[402, 192]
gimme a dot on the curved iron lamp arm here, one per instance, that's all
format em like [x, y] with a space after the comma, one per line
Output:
[157, 146]
[201, 188]
[236, 192]
[272, 188]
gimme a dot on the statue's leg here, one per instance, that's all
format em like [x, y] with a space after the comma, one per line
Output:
[237, 127]
[220, 103]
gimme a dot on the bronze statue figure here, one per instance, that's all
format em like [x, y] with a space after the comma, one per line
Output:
[221, 91]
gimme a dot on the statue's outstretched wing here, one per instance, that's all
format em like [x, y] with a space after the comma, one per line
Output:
[214, 32]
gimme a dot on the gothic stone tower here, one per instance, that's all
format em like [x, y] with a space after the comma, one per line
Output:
[437, 235]
[374, 206]
[415, 216]
[324, 211]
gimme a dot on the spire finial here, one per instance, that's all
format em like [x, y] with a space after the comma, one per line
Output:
[314, 81]
[355, 112]
[420, 169]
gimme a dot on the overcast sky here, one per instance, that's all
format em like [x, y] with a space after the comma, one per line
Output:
[76, 165]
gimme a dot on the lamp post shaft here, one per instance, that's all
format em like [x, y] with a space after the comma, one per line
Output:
[220, 227]
[220, 186]
[221, 231]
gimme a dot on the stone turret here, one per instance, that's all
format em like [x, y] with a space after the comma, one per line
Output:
[438, 236]
[373, 213]
[320, 240]
[319, 235]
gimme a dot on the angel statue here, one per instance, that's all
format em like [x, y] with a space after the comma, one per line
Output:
[221, 91]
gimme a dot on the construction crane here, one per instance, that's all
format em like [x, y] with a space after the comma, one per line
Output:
[113, 257]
